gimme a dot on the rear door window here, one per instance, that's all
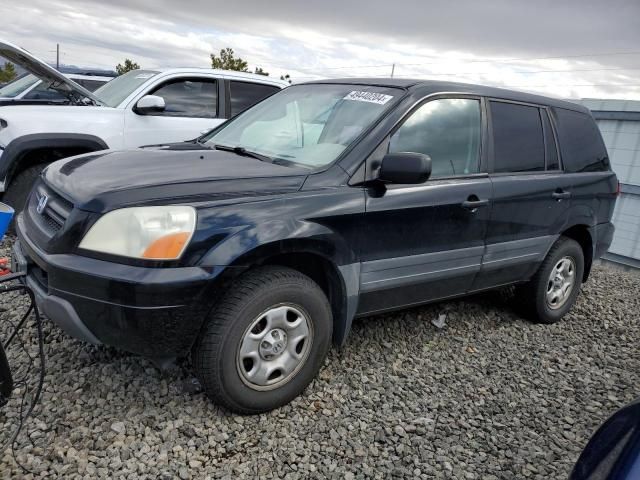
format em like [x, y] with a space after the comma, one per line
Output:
[247, 94]
[518, 141]
[581, 144]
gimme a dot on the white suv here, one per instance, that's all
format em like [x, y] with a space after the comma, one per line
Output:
[141, 107]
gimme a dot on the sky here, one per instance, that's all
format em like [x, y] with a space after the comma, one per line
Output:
[564, 48]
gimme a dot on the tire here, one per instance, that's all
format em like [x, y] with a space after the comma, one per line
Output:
[262, 305]
[19, 189]
[539, 298]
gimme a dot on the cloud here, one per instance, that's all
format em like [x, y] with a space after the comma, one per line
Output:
[570, 48]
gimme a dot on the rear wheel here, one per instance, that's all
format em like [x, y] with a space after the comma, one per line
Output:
[553, 290]
[265, 340]
[19, 189]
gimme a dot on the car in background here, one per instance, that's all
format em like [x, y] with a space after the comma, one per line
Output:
[613, 452]
[141, 107]
[28, 87]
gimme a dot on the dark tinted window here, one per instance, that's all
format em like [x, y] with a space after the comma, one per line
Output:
[518, 144]
[581, 144]
[551, 150]
[245, 95]
[448, 130]
[189, 98]
[90, 85]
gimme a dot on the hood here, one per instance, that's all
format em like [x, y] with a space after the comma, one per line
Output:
[40, 69]
[100, 182]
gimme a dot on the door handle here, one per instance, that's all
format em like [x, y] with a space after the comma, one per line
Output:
[561, 195]
[473, 202]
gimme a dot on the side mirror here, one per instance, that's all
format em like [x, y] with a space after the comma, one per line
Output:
[150, 104]
[405, 167]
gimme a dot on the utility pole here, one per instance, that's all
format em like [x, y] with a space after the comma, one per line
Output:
[58, 57]
[393, 69]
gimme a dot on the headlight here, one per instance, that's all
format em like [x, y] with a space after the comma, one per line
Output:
[156, 233]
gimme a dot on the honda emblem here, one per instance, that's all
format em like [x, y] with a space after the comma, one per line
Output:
[42, 204]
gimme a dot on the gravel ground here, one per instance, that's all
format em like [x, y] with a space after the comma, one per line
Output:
[489, 396]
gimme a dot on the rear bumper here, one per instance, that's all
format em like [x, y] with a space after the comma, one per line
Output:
[155, 312]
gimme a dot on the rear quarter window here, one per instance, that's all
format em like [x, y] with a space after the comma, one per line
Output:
[581, 144]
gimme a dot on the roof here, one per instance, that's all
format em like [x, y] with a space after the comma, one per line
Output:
[228, 73]
[427, 87]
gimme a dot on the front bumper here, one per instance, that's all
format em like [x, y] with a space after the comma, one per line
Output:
[155, 312]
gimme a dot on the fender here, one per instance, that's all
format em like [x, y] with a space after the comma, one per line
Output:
[252, 245]
[17, 148]
[582, 216]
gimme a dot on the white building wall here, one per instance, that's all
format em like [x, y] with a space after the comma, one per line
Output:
[619, 122]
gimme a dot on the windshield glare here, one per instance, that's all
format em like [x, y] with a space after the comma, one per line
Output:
[19, 85]
[114, 92]
[309, 125]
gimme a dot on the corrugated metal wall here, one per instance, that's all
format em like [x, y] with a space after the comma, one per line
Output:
[619, 122]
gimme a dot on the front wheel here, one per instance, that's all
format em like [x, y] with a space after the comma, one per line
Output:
[265, 340]
[553, 290]
[19, 189]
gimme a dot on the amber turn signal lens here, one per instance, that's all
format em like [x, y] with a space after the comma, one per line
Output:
[168, 247]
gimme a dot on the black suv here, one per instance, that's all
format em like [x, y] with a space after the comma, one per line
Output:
[253, 247]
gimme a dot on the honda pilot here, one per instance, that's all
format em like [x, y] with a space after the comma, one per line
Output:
[253, 248]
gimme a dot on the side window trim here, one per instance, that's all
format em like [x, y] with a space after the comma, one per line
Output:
[482, 148]
[540, 107]
[554, 135]
[189, 78]
[224, 98]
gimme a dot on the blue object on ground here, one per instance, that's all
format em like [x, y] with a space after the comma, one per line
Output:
[6, 214]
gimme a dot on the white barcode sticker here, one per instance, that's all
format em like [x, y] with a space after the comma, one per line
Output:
[371, 97]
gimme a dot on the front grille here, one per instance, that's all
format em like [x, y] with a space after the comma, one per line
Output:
[56, 209]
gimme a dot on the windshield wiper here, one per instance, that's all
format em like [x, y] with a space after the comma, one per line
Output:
[244, 152]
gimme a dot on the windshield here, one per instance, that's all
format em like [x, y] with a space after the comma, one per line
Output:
[19, 85]
[114, 92]
[309, 125]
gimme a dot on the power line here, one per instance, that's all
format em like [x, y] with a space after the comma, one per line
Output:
[544, 71]
[504, 60]
[555, 84]
[559, 57]
[514, 71]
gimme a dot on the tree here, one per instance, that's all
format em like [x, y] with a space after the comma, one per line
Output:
[127, 67]
[286, 77]
[7, 72]
[227, 61]
[260, 71]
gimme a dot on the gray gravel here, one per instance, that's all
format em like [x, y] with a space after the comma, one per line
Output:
[488, 396]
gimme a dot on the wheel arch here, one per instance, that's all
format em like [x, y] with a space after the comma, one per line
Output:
[582, 234]
[22, 152]
[317, 260]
